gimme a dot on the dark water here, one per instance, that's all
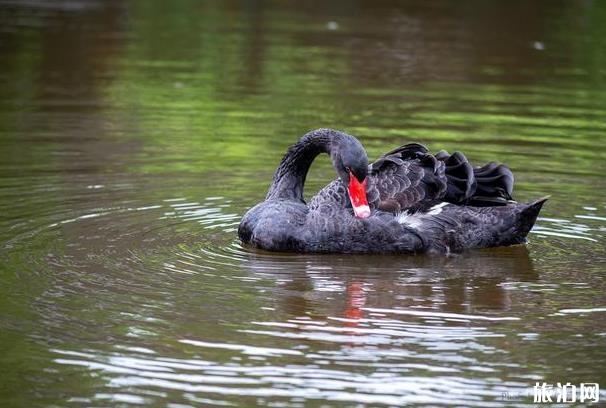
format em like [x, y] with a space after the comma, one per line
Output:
[134, 135]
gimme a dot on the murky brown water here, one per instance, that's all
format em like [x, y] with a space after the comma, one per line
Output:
[134, 135]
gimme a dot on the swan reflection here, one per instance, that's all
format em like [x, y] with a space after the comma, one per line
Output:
[345, 285]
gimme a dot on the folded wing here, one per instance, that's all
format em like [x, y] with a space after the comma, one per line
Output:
[411, 175]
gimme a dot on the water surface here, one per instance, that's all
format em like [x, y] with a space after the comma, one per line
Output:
[134, 135]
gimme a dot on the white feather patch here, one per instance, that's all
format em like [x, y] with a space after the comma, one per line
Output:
[415, 220]
[410, 220]
[436, 209]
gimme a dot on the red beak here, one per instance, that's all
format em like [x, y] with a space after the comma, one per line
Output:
[357, 196]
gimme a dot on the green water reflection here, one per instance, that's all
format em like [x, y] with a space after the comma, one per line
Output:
[133, 135]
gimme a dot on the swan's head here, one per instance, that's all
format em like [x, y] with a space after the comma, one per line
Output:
[351, 162]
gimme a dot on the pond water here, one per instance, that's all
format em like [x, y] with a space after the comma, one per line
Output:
[134, 135]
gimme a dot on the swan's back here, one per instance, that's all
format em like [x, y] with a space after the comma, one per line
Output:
[411, 175]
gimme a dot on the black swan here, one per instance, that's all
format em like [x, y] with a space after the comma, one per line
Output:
[408, 201]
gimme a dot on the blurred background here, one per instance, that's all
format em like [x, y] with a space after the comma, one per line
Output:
[135, 134]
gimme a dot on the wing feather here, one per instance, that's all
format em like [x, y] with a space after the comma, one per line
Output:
[410, 175]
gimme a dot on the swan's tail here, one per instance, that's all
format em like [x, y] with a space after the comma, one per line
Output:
[526, 220]
[453, 228]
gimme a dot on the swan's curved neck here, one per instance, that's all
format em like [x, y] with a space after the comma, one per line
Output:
[289, 178]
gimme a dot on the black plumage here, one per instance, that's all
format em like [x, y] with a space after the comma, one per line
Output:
[419, 202]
